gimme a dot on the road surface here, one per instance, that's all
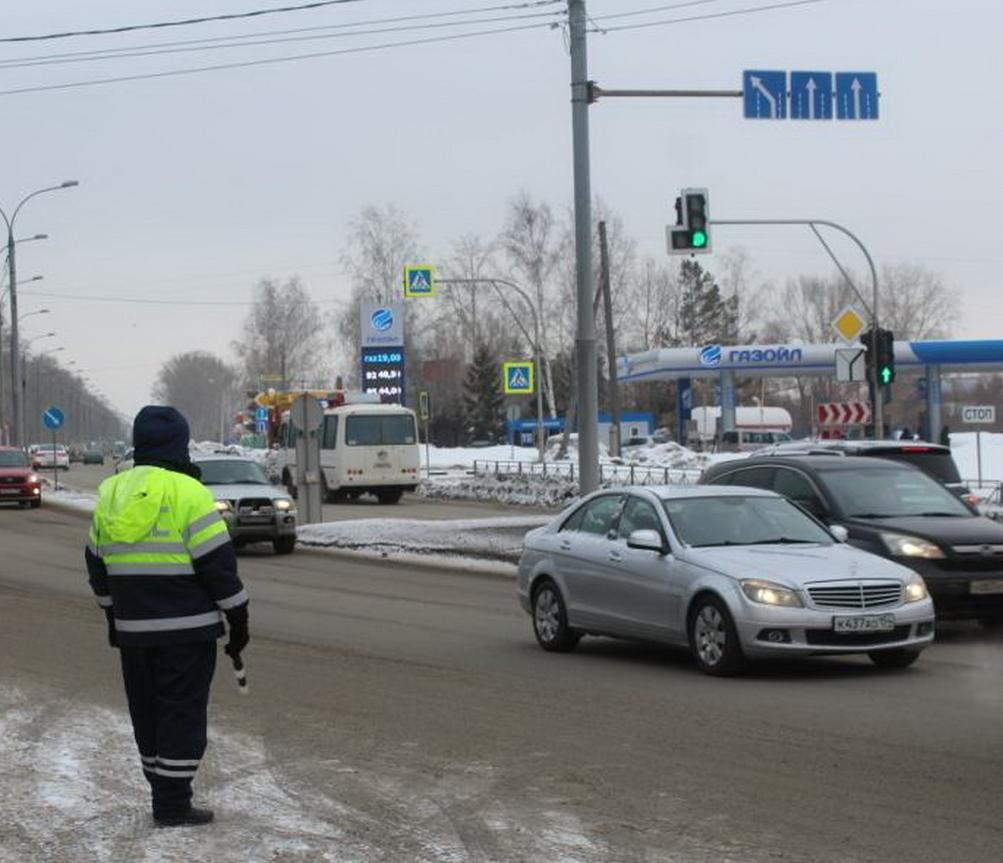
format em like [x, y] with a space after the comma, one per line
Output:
[405, 714]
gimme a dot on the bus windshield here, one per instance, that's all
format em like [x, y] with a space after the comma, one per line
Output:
[380, 430]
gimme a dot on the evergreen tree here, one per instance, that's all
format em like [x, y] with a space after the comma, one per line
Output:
[483, 397]
[705, 317]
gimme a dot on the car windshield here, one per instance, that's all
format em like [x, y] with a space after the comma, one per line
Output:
[227, 472]
[875, 493]
[741, 520]
[13, 459]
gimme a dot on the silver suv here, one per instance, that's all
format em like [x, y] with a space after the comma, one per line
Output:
[254, 510]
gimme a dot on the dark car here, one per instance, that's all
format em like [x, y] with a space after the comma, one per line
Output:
[934, 459]
[18, 481]
[93, 456]
[895, 510]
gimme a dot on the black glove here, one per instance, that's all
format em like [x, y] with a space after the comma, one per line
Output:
[112, 635]
[239, 636]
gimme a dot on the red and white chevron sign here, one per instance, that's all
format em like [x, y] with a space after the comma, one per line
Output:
[843, 413]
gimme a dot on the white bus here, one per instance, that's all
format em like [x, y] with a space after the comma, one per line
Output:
[363, 448]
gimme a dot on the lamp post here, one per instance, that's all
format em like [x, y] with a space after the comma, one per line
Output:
[3, 296]
[15, 356]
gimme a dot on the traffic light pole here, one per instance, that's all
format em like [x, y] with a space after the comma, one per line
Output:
[879, 419]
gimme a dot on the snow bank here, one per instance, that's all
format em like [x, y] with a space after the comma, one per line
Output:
[543, 492]
[491, 539]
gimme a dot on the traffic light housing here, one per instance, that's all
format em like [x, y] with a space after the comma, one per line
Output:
[880, 356]
[885, 358]
[691, 233]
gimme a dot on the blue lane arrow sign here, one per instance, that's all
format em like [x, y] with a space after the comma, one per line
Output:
[811, 95]
[52, 418]
[764, 94]
[856, 96]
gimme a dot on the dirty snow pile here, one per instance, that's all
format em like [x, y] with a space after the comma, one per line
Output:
[542, 492]
[267, 458]
[485, 539]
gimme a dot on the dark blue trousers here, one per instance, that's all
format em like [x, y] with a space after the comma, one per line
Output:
[168, 692]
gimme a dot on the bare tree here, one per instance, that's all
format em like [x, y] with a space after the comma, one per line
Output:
[916, 303]
[283, 338]
[531, 242]
[203, 387]
[380, 243]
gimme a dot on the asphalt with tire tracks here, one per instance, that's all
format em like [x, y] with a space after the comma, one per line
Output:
[406, 714]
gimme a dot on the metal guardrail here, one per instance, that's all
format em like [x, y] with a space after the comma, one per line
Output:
[627, 474]
[993, 486]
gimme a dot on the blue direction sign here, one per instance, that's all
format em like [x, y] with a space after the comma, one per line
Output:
[856, 96]
[811, 95]
[765, 94]
[53, 418]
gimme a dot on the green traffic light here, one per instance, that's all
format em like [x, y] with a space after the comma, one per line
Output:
[699, 239]
[885, 374]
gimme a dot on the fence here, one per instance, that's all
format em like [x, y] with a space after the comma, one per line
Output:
[625, 474]
[990, 491]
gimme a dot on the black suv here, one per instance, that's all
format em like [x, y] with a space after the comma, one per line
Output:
[896, 511]
[931, 458]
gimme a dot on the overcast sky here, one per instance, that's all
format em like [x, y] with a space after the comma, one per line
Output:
[193, 187]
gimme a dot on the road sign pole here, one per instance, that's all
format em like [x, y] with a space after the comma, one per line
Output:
[585, 341]
[55, 463]
[978, 453]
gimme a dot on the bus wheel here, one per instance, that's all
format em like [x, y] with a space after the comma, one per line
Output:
[389, 495]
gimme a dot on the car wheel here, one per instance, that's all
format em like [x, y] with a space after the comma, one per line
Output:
[287, 481]
[897, 657]
[714, 639]
[35, 504]
[284, 544]
[389, 495]
[991, 621]
[550, 619]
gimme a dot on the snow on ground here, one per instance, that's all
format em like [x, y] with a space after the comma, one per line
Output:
[476, 539]
[73, 790]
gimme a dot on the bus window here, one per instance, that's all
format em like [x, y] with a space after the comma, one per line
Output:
[330, 439]
[376, 430]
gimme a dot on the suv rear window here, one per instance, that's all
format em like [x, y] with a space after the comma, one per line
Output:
[936, 462]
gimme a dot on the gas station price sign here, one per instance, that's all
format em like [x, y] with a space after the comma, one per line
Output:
[383, 373]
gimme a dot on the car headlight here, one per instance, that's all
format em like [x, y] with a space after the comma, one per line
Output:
[222, 506]
[903, 545]
[770, 593]
[282, 505]
[33, 477]
[914, 590]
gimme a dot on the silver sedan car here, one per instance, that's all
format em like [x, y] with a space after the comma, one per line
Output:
[734, 573]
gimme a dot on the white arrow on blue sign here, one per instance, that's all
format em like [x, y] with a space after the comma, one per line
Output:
[765, 94]
[811, 95]
[856, 96]
[52, 418]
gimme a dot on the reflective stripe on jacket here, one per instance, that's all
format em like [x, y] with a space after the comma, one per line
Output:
[160, 556]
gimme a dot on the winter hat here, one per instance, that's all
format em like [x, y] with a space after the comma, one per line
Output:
[160, 436]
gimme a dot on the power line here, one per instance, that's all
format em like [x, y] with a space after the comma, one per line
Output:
[232, 42]
[170, 73]
[708, 16]
[653, 9]
[211, 40]
[231, 16]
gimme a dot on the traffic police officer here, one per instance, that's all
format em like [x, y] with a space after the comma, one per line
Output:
[162, 566]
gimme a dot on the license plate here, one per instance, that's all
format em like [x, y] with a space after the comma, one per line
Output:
[984, 587]
[254, 519]
[864, 623]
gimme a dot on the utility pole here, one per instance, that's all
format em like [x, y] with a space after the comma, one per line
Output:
[585, 341]
[614, 384]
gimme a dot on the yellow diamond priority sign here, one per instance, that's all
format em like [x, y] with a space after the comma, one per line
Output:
[849, 324]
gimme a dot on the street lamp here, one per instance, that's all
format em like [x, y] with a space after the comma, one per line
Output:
[15, 356]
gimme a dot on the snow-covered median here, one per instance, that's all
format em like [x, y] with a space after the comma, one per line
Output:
[464, 541]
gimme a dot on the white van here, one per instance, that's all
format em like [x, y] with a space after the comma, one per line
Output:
[363, 448]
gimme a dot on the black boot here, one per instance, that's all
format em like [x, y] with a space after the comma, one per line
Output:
[191, 817]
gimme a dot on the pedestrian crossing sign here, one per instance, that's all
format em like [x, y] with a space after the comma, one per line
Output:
[518, 378]
[419, 281]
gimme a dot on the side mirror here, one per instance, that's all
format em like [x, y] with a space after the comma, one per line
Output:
[648, 540]
[840, 533]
